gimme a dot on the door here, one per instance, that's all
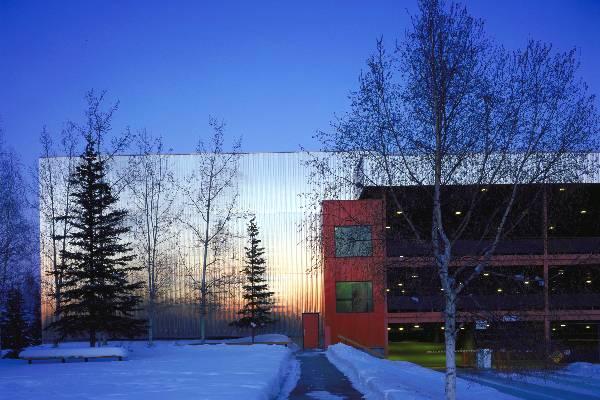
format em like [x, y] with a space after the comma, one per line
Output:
[310, 326]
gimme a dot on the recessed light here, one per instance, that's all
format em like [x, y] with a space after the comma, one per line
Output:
[462, 328]
[583, 212]
[389, 329]
[562, 189]
[553, 329]
[388, 227]
[551, 227]
[562, 325]
[526, 282]
[401, 329]
[442, 289]
[403, 291]
[417, 326]
[457, 212]
[587, 327]
[443, 328]
[399, 212]
[400, 284]
[499, 290]
[486, 274]
[484, 189]
[588, 281]
[414, 276]
[387, 290]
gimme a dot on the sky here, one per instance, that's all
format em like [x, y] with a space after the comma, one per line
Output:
[274, 71]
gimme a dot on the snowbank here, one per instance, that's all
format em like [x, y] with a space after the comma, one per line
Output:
[270, 337]
[168, 370]
[400, 380]
[74, 352]
[583, 369]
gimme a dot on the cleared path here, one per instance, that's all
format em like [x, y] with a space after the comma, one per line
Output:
[319, 379]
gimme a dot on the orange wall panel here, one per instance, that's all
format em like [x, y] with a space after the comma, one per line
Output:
[368, 329]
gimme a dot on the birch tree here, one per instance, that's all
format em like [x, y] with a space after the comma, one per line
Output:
[448, 107]
[155, 218]
[55, 201]
[16, 231]
[211, 196]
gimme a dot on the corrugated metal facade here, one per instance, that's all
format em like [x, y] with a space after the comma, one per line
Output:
[277, 188]
[273, 187]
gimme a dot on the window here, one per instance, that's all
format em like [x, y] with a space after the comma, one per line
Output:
[353, 241]
[353, 297]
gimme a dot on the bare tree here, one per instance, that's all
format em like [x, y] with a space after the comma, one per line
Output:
[55, 201]
[16, 231]
[155, 218]
[211, 196]
[450, 108]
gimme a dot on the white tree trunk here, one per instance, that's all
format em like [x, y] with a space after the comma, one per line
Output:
[450, 336]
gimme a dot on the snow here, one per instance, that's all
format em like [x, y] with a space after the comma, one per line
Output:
[270, 337]
[167, 370]
[583, 369]
[575, 381]
[400, 380]
[74, 352]
[291, 380]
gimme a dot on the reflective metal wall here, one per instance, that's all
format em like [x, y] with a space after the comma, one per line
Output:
[278, 190]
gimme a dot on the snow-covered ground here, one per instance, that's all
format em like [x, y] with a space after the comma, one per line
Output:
[167, 371]
[577, 381]
[400, 380]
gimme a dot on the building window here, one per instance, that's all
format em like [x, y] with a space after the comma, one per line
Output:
[353, 297]
[353, 241]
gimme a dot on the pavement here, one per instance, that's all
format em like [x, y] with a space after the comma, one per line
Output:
[321, 380]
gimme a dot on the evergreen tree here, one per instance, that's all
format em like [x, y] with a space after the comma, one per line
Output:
[97, 296]
[14, 327]
[259, 300]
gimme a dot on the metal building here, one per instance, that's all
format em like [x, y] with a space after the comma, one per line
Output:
[275, 187]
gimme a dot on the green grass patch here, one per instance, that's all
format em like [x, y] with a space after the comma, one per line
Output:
[417, 352]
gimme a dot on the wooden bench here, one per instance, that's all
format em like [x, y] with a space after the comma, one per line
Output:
[64, 354]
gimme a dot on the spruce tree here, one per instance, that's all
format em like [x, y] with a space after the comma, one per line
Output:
[15, 331]
[256, 313]
[97, 297]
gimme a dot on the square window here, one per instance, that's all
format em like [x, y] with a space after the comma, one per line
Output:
[353, 241]
[353, 297]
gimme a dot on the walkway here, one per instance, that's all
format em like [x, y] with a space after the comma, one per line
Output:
[319, 379]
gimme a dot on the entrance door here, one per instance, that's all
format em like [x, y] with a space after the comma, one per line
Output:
[310, 325]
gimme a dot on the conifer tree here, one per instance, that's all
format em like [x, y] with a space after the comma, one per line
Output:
[14, 327]
[256, 313]
[97, 296]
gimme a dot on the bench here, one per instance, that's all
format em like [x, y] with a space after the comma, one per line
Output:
[64, 354]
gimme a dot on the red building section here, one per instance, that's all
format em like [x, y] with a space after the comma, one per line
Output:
[354, 277]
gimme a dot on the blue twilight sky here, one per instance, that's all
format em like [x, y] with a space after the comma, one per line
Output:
[275, 71]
